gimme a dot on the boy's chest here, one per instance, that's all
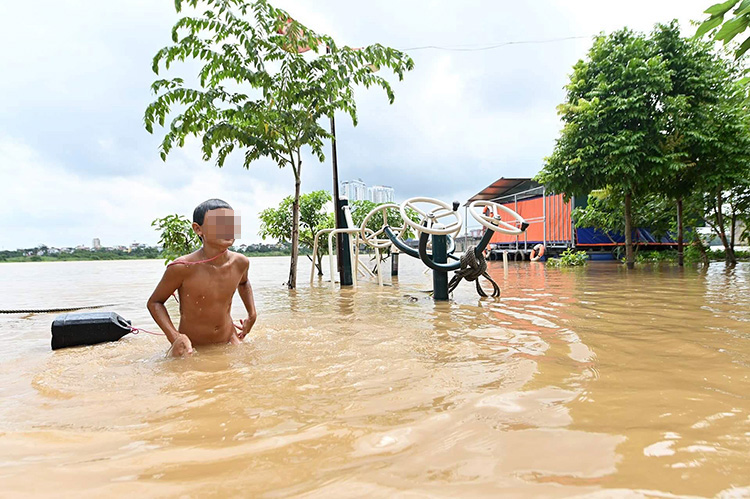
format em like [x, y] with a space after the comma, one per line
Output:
[210, 284]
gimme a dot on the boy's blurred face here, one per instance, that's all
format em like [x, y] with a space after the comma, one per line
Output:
[220, 226]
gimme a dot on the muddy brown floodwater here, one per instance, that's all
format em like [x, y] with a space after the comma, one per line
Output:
[593, 382]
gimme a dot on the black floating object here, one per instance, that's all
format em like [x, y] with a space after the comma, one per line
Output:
[524, 226]
[70, 330]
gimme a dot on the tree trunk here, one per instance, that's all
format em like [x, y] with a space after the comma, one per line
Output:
[729, 257]
[680, 256]
[732, 229]
[292, 283]
[702, 249]
[629, 256]
[316, 261]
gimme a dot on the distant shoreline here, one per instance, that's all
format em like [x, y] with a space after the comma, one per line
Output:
[37, 259]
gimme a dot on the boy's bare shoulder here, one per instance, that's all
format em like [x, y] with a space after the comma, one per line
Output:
[240, 260]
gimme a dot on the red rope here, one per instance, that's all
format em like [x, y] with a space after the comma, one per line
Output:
[178, 261]
[136, 330]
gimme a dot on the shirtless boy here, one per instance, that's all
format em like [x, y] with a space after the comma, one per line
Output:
[206, 280]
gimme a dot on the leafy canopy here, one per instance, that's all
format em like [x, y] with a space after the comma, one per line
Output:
[276, 223]
[177, 236]
[612, 119]
[726, 30]
[255, 90]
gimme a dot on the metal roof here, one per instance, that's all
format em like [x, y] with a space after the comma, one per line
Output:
[502, 187]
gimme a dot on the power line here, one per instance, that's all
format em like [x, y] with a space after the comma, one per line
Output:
[478, 47]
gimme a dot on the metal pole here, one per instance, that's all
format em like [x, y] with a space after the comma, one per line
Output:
[544, 217]
[440, 278]
[344, 249]
[342, 240]
[572, 223]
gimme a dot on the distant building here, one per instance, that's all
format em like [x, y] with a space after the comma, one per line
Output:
[381, 194]
[357, 190]
[96, 243]
[354, 190]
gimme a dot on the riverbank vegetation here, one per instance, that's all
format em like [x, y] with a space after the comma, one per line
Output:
[43, 254]
[569, 258]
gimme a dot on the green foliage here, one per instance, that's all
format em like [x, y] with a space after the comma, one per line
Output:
[176, 236]
[692, 255]
[256, 91]
[276, 223]
[569, 258]
[611, 117]
[725, 30]
[721, 255]
[649, 119]
[613, 122]
[30, 255]
[238, 42]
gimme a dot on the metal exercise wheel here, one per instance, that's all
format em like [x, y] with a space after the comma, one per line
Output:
[430, 219]
[493, 222]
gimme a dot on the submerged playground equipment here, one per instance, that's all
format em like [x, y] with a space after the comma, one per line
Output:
[437, 227]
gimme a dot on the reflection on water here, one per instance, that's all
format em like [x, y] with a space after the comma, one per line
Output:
[592, 381]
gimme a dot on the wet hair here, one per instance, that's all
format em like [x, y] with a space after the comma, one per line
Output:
[199, 213]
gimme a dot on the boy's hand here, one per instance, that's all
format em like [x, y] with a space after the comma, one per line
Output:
[182, 346]
[247, 325]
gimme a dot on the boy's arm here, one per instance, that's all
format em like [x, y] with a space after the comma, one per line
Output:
[170, 282]
[245, 291]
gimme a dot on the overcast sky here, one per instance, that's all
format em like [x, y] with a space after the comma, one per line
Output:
[76, 162]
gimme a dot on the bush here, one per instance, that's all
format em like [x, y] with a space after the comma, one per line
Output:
[569, 258]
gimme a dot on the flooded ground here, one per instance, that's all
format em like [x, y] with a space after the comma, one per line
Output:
[586, 382]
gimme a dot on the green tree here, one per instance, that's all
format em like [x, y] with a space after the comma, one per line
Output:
[278, 223]
[177, 236]
[256, 90]
[696, 107]
[727, 202]
[612, 124]
[726, 30]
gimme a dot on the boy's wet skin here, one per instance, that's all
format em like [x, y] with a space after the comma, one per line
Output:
[206, 287]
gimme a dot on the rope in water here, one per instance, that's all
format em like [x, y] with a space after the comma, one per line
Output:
[472, 268]
[136, 330]
[52, 310]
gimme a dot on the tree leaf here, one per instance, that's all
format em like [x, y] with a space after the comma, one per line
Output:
[732, 28]
[721, 8]
[708, 26]
[742, 8]
[742, 49]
